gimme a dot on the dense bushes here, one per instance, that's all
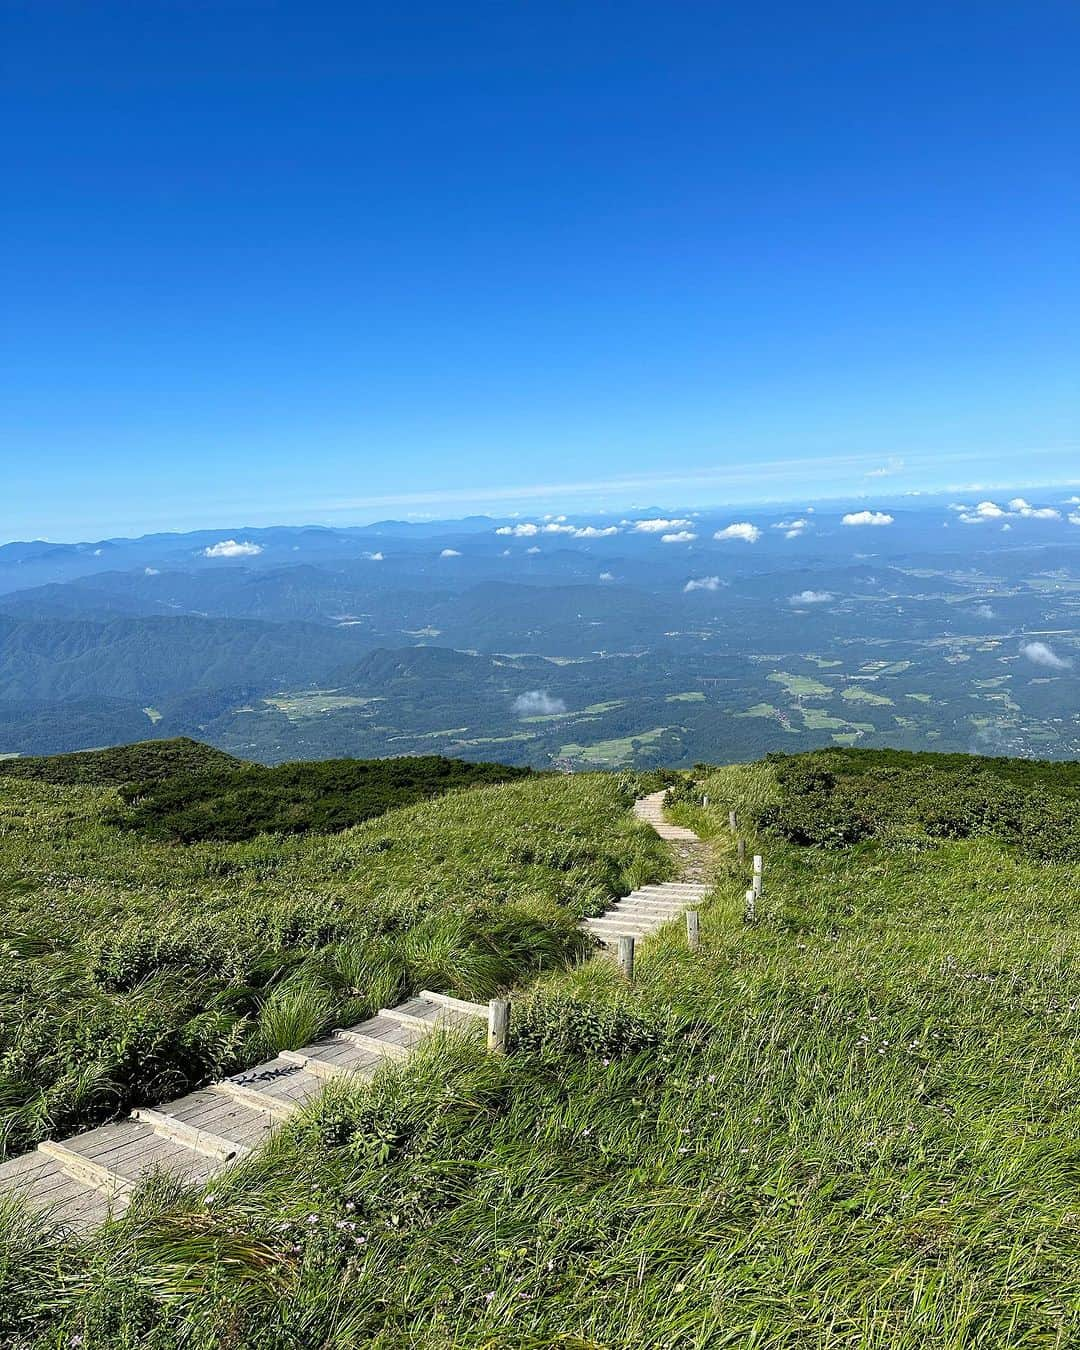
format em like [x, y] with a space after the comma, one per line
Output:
[240, 801]
[145, 762]
[838, 798]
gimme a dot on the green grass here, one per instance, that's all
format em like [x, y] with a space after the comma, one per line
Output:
[799, 684]
[315, 702]
[133, 969]
[611, 754]
[857, 693]
[692, 696]
[851, 1124]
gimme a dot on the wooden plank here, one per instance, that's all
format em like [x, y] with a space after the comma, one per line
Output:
[389, 1049]
[459, 1004]
[191, 1136]
[277, 1108]
[321, 1068]
[408, 1019]
[82, 1169]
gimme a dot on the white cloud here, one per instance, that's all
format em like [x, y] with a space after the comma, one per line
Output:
[375, 557]
[607, 576]
[660, 526]
[151, 572]
[866, 518]
[703, 584]
[450, 553]
[534, 549]
[793, 527]
[555, 528]
[1017, 507]
[985, 612]
[810, 598]
[596, 532]
[679, 537]
[740, 530]
[523, 531]
[1044, 655]
[1074, 517]
[538, 703]
[230, 548]
[1023, 508]
[1072, 501]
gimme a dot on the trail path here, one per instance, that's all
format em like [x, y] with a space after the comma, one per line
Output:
[84, 1179]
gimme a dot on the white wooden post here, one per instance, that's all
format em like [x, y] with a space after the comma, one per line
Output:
[498, 1025]
[750, 912]
[759, 884]
[693, 932]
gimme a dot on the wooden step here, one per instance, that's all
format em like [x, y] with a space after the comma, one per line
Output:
[372, 1043]
[321, 1068]
[620, 926]
[202, 1141]
[85, 1170]
[409, 1019]
[277, 1108]
[654, 903]
[458, 1004]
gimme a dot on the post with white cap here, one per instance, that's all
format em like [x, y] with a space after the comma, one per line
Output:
[758, 883]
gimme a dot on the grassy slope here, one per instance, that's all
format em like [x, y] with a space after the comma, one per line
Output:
[861, 1135]
[132, 969]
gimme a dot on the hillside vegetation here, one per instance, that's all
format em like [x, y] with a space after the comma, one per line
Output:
[238, 801]
[143, 762]
[849, 1124]
[836, 797]
[132, 969]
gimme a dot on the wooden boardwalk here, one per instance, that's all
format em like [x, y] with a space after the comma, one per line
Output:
[87, 1178]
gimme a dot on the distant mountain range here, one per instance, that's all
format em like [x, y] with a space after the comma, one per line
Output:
[572, 641]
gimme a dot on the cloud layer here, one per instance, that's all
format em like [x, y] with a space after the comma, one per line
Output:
[703, 584]
[810, 598]
[1018, 507]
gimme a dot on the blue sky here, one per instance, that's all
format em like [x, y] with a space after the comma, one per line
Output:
[283, 262]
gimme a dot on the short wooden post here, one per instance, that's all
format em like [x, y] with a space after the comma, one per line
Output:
[693, 932]
[740, 850]
[759, 884]
[750, 912]
[626, 956]
[733, 821]
[498, 1025]
[705, 800]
